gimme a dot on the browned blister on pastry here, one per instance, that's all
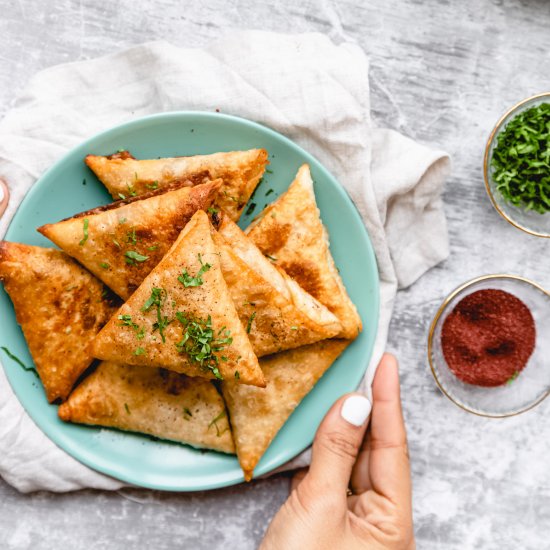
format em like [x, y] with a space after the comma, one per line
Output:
[257, 414]
[60, 307]
[291, 232]
[122, 242]
[156, 402]
[241, 171]
[276, 312]
[182, 317]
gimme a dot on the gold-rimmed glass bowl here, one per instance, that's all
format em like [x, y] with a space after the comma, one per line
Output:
[532, 384]
[526, 220]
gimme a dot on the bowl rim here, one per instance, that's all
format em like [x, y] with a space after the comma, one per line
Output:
[431, 333]
[490, 140]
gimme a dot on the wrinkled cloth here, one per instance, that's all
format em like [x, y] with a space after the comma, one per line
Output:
[304, 86]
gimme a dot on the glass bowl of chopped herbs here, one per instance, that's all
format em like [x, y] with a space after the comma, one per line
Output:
[517, 165]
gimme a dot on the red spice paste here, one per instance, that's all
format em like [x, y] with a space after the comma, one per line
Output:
[488, 337]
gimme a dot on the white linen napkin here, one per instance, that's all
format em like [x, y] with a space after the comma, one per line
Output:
[303, 86]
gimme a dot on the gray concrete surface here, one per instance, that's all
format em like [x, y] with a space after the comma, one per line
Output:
[442, 72]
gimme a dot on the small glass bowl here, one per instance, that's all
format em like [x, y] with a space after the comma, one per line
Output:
[532, 384]
[528, 221]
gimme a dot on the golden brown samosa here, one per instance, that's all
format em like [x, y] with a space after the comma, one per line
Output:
[156, 402]
[277, 313]
[60, 307]
[257, 414]
[241, 171]
[291, 232]
[122, 242]
[182, 317]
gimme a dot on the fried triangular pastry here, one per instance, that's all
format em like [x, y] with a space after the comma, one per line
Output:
[241, 171]
[182, 317]
[156, 402]
[290, 230]
[276, 312]
[122, 242]
[257, 414]
[60, 307]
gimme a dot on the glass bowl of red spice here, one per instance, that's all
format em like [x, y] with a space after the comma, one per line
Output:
[486, 347]
[516, 165]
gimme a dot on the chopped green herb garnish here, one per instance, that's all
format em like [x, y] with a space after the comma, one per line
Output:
[131, 189]
[116, 243]
[250, 320]
[227, 195]
[127, 321]
[104, 265]
[201, 343]
[187, 281]
[212, 210]
[154, 247]
[215, 423]
[153, 186]
[122, 220]
[122, 196]
[272, 258]
[268, 171]
[127, 408]
[250, 209]
[187, 413]
[121, 150]
[18, 361]
[269, 192]
[157, 298]
[160, 325]
[84, 181]
[251, 198]
[294, 328]
[131, 257]
[521, 160]
[139, 351]
[131, 236]
[237, 375]
[85, 231]
[512, 378]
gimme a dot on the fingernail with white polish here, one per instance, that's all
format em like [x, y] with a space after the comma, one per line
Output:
[356, 409]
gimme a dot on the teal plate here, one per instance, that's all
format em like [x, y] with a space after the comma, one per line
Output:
[70, 187]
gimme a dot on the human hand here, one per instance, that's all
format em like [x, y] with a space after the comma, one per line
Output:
[4, 196]
[319, 514]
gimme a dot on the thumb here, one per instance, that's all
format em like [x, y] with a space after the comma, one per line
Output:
[337, 444]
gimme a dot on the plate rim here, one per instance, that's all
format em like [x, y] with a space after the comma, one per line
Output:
[354, 379]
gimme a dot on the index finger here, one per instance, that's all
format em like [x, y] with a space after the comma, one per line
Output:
[389, 468]
[4, 196]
